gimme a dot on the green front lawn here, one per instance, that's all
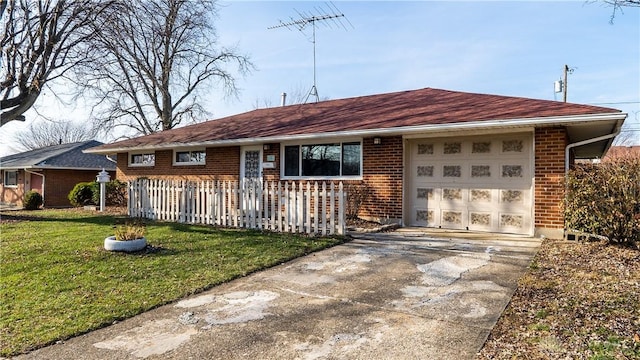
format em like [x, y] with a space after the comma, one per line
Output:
[57, 281]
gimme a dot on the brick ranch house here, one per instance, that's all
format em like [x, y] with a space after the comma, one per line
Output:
[52, 171]
[431, 157]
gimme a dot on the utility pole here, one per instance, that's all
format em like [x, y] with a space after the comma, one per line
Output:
[564, 94]
[567, 70]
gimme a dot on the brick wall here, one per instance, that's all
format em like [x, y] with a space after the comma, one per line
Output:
[222, 163]
[383, 172]
[58, 184]
[272, 174]
[550, 144]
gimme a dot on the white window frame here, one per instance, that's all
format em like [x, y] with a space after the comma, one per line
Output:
[4, 178]
[131, 154]
[176, 151]
[320, 142]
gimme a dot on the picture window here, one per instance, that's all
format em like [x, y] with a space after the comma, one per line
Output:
[323, 160]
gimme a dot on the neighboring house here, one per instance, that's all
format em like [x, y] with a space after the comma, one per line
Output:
[52, 171]
[618, 152]
[432, 157]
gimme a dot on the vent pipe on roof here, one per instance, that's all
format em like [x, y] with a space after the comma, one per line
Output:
[284, 99]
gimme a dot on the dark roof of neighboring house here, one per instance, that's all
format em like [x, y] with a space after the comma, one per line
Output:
[415, 108]
[64, 156]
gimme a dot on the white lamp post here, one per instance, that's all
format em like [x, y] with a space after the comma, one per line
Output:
[103, 178]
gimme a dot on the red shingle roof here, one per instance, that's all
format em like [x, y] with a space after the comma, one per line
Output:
[619, 152]
[384, 111]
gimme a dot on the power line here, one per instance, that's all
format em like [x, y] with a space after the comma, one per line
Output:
[616, 103]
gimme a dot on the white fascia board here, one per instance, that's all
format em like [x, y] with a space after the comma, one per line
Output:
[46, 167]
[404, 130]
[12, 168]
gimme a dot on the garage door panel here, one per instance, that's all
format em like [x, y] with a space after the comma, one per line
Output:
[479, 183]
[481, 220]
[453, 218]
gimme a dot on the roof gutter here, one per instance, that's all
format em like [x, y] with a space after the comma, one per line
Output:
[567, 151]
[404, 130]
[43, 167]
[35, 173]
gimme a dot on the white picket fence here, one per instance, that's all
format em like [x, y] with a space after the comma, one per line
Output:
[309, 208]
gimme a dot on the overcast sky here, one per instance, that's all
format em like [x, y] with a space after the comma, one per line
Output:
[508, 48]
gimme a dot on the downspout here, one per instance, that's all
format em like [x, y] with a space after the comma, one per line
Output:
[567, 151]
[35, 173]
[110, 159]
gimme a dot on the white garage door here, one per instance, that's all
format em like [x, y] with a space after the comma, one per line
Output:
[477, 183]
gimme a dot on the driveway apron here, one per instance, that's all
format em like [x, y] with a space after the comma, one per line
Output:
[408, 294]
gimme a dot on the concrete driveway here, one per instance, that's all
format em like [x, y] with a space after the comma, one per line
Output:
[407, 294]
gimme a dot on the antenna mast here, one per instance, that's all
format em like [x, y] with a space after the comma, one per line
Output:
[311, 18]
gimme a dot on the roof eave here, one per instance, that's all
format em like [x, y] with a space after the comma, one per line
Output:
[48, 167]
[404, 130]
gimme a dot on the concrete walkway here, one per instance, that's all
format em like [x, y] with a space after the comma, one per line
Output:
[407, 294]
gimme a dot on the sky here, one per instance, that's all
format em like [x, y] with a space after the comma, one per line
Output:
[512, 48]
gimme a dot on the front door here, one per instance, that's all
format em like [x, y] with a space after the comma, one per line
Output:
[251, 163]
[251, 183]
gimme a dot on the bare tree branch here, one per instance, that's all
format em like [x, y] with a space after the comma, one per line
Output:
[617, 5]
[40, 43]
[156, 56]
[49, 133]
[297, 95]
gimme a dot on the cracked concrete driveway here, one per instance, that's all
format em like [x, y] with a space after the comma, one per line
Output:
[408, 294]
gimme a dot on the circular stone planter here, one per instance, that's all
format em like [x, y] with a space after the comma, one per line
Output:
[111, 244]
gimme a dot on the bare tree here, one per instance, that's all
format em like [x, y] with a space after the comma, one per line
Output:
[618, 5]
[156, 56]
[630, 132]
[3, 6]
[298, 95]
[49, 133]
[40, 41]
[622, 3]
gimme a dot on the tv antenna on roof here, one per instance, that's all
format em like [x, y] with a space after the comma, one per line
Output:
[310, 18]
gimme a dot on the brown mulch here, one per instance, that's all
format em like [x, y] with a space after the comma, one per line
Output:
[579, 300]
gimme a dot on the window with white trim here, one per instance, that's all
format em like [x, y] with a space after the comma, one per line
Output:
[189, 157]
[142, 159]
[10, 178]
[323, 160]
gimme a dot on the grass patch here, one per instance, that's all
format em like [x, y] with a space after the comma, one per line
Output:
[541, 314]
[57, 281]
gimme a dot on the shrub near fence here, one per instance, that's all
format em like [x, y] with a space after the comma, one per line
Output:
[315, 208]
[604, 199]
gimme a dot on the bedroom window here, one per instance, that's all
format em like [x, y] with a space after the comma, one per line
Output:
[10, 178]
[189, 157]
[323, 160]
[146, 159]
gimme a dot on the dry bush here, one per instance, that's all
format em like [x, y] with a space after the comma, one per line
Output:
[604, 199]
[357, 195]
